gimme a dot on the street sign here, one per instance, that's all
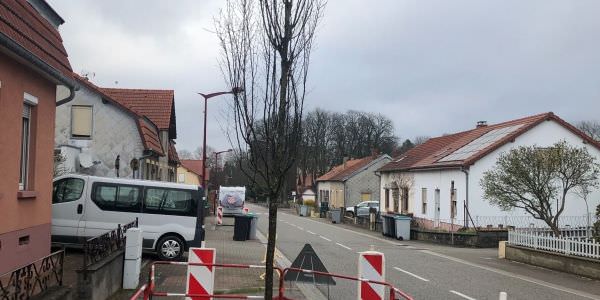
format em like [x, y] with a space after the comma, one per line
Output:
[307, 259]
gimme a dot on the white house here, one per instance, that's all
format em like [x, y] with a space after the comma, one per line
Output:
[102, 135]
[439, 180]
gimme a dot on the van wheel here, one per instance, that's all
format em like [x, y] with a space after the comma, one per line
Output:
[170, 247]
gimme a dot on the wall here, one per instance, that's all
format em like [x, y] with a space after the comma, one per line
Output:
[25, 216]
[545, 134]
[101, 279]
[190, 177]
[555, 261]
[114, 132]
[366, 181]
[336, 192]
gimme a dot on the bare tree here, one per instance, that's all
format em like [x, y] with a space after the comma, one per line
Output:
[591, 128]
[266, 47]
[185, 154]
[421, 139]
[538, 180]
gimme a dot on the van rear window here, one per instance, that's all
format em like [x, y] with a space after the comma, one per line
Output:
[168, 201]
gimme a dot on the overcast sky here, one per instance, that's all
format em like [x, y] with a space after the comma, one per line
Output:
[433, 67]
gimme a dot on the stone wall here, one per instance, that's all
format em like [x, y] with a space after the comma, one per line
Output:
[366, 181]
[481, 239]
[102, 279]
[556, 261]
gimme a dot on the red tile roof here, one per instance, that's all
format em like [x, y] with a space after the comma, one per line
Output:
[431, 154]
[157, 105]
[343, 171]
[148, 130]
[194, 166]
[25, 26]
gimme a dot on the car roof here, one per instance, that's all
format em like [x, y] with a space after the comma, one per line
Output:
[143, 182]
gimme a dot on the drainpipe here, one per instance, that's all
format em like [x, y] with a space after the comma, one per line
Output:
[466, 204]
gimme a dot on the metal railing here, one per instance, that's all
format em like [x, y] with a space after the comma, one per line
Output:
[147, 291]
[563, 245]
[99, 247]
[33, 279]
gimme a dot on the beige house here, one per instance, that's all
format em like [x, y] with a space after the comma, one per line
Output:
[190, 172]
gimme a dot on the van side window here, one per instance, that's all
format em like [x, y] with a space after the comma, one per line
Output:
[169, 201]
[67, 190]
[116, 197]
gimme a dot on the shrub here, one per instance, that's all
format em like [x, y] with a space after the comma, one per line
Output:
[309, 202]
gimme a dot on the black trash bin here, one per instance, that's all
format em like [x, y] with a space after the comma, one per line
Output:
[389, 226]
[241, 229]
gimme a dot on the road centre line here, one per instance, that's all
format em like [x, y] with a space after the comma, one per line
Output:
[411, 274]
[462, 295]
[310, 232]
[490, 269]
[324, 238]
[300, 228]
[344, 246]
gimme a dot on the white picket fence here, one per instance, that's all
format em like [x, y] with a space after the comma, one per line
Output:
[564, 245]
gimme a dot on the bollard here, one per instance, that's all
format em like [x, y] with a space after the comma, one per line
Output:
[201, 279]
[371, 265]
[219, 215]
[503, 296]
[133, 258]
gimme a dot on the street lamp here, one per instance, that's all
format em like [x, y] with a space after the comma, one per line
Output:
[234, 91]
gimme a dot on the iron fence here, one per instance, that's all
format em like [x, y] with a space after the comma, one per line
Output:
[33, 279]
[102, 246]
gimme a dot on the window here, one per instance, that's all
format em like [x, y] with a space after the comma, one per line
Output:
[181, 177]
[365, 196]
[452, 201]
[404, 200]
[25, 143]
[387, 198]
[424, 200]
[81, 121]
[168, 201]
[117, 197]
[67, 190]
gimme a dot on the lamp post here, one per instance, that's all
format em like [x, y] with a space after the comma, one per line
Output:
[234, 91]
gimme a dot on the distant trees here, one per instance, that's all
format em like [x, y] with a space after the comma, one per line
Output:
[539, 179]
[591, 128]
[328, 137]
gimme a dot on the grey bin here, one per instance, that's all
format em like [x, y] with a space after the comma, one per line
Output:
[388, 226]
[336, 215]
[402, 227]
[304, 210]
[253, 226]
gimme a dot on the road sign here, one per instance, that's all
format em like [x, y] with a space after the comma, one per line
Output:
[371, 265]
[307, 259]
[200, 279]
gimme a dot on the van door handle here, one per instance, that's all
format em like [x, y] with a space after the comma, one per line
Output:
[79, 208]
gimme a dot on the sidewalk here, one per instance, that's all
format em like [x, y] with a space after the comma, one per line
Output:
[172, 278]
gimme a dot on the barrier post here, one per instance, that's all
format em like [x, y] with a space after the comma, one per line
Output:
[371, 266]
[201, 279]
[133, 258]
[219, 215]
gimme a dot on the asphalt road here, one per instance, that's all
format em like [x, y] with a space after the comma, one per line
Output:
[423, 270]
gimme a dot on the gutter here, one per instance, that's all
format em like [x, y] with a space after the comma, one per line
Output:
[43, 66]
[466, 204]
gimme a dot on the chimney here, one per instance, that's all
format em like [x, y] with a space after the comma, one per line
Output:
[345, 161]
[481, 124]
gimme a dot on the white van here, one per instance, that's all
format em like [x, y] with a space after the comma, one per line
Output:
[169, 214]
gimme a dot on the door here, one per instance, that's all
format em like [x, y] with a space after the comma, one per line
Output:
[68, 200]
[437, 207]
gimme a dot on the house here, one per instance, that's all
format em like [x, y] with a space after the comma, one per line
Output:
[35, 79]
[116, 132]
[351, 182]
[439, 180]
[190, 171]
[305, 186]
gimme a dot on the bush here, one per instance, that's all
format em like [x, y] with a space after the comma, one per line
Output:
[309, 202]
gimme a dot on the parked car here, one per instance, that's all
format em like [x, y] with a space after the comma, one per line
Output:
[169, 214]
[362, 209]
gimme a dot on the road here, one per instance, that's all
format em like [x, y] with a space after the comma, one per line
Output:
[423, 270]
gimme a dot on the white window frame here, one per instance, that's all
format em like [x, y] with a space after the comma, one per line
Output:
[29, 103]
[424, 201]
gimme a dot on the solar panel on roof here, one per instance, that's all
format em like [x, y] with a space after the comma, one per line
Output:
[480, 143]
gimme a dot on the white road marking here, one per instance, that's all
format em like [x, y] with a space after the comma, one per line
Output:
[343, 246]
[411, 274]
[324, 238]
[300, 228]
[462, 295]
[310, 232]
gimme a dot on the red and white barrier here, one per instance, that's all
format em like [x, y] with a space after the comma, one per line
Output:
[201, 279]
[371, 266]
[219, 215]
[246, 210]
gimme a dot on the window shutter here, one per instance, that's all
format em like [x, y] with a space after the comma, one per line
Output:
[82, 121]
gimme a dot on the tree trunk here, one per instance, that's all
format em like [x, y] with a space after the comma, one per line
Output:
[271, 248]
[554, 226]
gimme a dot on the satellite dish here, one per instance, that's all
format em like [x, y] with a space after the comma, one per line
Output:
[85, 160]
